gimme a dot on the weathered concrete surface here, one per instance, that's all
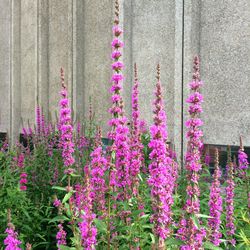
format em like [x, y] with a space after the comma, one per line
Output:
[98, 19]
[29, 72]
[224, 49]
[5, 45]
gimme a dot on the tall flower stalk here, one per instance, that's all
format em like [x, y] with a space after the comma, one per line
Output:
[23, 175]
[230, 227]
[136, 146]
[160, 169]
[65, 126]
[118, 122]
[215, 204]
[243, 166]
[97, 174]
[87, 229]
[193, 235]
[243, 160]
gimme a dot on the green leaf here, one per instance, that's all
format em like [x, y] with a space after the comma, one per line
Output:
[101, 226]
[152, 238]
[113, 155]
[140, 177]
[75, 175]
[196, 221]
[66, 248]
[59, 188]
[203, 216]
[174, 241]
[67, 197]
[211, 246]
[59, 218]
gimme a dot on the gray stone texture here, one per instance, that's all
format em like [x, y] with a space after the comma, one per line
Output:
[39, 37]
[225, 58]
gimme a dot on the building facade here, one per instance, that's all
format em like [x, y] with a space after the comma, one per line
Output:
[37, 37]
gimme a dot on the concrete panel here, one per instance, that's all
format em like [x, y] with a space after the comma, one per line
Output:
[225, 48]
[153, 41]
[5, 50]
[60, 50]
[28, 60]
[42, 56]
[98, 18]
[15, 88]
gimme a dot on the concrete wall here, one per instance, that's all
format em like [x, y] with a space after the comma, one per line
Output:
[38, 37]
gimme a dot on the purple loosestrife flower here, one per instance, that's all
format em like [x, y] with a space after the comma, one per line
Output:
[23, 176]
[38, 121]
[11, 241]
[65, 126]
[161, 179]
[97, 172]
[119, 131]
[243, 160]
[230, 205]
[43, 125]
[87, 229]
[61, 236]
[136, 147]
[23, 181]
[193, 235]
[215, 204]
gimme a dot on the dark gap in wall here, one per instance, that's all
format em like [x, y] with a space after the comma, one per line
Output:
[223, 149]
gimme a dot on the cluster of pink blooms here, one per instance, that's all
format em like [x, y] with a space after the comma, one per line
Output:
[136, 158]
[161, 179]
[23, 176]
[193, 236]
[11, 241]
[97, 172]
[215, 204]
[87, 229]
[230, 205]
[61, 236]
[38, 120]
[243, 160]
[65, 126]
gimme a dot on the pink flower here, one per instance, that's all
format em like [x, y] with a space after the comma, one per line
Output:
[117, 66]
[116, 43]
[194, 85]
[61, 236]
[117, 77]
[116, 54]
[195, 98]
[57, 203]
[11, 241]
[117, 30]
